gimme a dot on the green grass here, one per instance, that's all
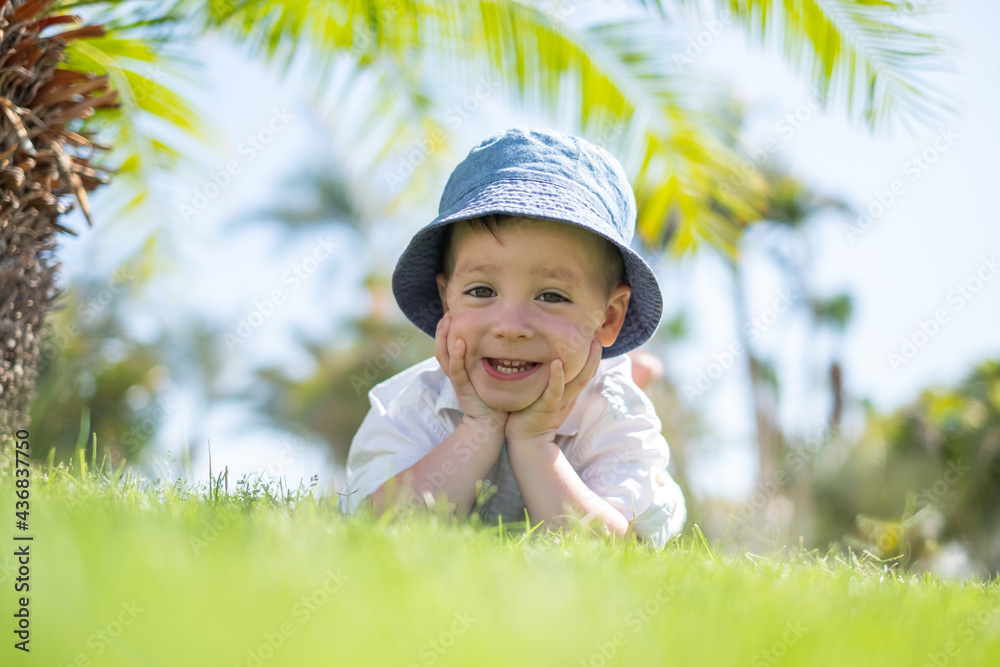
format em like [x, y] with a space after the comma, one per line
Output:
[265, 576]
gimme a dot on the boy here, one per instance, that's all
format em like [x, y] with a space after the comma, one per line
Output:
[527, 282]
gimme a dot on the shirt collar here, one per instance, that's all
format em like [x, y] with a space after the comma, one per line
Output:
[448, 400]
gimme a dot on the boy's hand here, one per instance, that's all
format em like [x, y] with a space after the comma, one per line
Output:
[451, 355]
[538, 422]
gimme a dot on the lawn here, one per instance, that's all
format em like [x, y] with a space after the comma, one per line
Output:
[245, 574]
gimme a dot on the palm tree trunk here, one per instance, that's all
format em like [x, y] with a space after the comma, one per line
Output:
[42, 163]
[768, 435]
[27, 291]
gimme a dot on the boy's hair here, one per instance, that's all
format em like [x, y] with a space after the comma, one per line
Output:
[611, 265]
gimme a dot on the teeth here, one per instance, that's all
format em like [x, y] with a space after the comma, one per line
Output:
[507, 366]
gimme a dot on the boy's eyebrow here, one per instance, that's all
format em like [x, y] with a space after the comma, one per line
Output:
[554, 272]
[476, 268]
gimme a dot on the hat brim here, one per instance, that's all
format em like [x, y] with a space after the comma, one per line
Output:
[414, 281]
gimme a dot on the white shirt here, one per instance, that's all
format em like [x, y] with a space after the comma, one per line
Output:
[611, 438]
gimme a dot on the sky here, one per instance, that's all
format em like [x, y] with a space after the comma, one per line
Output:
[917, 272]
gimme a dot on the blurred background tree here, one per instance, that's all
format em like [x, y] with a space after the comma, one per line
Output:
[922, 484]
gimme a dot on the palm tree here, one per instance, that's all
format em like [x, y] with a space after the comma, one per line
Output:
[69, 99]
[46, 158]
[791, 207]
[672, 126]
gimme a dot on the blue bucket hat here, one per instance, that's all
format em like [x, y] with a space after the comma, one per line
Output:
[535, 173]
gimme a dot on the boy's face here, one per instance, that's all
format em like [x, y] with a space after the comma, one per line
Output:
[533, 295]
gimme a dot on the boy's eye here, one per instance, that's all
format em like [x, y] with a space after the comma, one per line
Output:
[558, 298]
[481, 292]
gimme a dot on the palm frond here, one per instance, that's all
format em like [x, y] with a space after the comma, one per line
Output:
[147, 55]
[687, 139]
[673, 131]
[615, 73]
[144, 133]
[865, 54]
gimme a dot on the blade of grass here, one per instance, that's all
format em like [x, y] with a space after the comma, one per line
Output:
[80, 451]
[93, 452]
[701, 536]
[211, 480]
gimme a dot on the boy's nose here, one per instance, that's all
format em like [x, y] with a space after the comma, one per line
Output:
[512, 322]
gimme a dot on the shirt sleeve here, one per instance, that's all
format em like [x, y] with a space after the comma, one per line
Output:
[394, 435]
[623, 458]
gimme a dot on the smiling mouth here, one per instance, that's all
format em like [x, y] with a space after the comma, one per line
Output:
[510, 366]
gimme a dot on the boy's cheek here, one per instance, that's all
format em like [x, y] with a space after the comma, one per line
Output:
[461, 321]
[573, 348]
[576, 338]
[460, 328]
[566, 351]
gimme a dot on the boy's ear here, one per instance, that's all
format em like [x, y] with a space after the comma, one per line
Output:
[614, 315]
[443, 291]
